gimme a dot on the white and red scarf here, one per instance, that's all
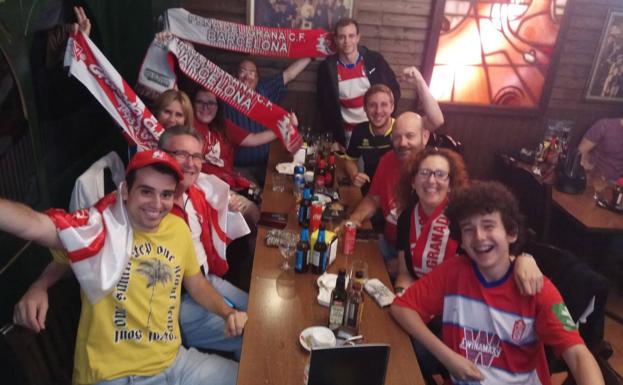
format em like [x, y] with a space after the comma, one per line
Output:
[209, 197]
[92, 69]
[87, 235]
[429, 239]
[157, 75]
[254, 40]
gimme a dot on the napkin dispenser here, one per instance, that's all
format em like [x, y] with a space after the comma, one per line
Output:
[330, 240]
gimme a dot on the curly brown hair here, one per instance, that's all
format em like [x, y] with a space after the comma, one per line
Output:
[485, 197]
[405, 195]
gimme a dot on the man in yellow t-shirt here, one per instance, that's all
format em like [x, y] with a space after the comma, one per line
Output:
[132, 333]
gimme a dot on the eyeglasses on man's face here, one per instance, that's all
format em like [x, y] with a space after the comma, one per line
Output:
[183, 156]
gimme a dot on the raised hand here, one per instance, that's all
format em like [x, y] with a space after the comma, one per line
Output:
[83, 23]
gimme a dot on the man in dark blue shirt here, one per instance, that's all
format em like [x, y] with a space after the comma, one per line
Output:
[252, 160]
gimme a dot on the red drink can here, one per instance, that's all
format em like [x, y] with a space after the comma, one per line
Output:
[315, 217]
[350, 233]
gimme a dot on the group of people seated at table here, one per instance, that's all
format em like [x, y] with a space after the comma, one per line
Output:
[492, 307]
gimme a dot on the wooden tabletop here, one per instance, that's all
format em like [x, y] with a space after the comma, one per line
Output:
[584, 210]
[282, 304]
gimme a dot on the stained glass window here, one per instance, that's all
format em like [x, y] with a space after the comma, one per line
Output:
[495, 52]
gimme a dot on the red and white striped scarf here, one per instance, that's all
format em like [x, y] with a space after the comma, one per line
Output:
[157, 75]
[209, 197]
[254, 40]
[87, 236]
[429, 239]
[92, 69]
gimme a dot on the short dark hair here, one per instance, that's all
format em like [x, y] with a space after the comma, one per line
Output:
[343, 22]
[485, 197]
[131, 177]
[178, 130]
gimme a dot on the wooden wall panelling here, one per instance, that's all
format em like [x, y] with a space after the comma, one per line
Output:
[400, 29]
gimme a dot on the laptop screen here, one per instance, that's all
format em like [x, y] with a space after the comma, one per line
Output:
[349, 365]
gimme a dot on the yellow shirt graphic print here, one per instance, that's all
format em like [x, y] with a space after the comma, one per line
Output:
[135, 329]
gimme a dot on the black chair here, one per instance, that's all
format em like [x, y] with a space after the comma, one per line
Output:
[534, 195]
[45, 358]
[579, 286]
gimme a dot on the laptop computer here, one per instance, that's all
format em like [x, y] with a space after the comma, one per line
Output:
[364, 364]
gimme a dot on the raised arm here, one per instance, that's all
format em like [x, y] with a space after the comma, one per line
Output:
[26, 223]
[258, 138]
[582, 365]
[205, 295]
[83, 23]
[295, 69]
[460, 367]
[433, 117]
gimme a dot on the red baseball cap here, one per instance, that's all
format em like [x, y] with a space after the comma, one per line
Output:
[149, 157]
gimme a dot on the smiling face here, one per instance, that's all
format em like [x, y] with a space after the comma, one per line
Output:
[149, 199]
[247, 74]
[206, 106]
[408, 135]
[379, 108]
[432, 190]
[347, 39]
[486, 241]
[187, 151]
[171, 115]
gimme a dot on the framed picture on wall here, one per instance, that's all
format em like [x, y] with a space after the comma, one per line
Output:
[606, 78]
[301, 14]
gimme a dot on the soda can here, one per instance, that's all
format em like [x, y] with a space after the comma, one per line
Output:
[350, 233]
[315, 216]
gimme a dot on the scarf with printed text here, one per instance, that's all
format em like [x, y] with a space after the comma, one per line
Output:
[429, 239]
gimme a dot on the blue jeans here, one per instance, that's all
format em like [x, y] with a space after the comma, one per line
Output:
[189, 368]
[205, 330]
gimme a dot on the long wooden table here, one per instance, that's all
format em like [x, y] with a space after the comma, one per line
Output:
[282, 304]
[583, 209]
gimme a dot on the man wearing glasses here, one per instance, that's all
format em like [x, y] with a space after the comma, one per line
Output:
[201, 328]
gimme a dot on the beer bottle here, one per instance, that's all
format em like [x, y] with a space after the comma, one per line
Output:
[305, 207]
[337, 307]
[319, 255]
[354, 305]
[329, 177]
[302, 252]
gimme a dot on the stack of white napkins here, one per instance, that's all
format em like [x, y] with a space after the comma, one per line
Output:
[374, 287]
[326, 283]
[286, 168]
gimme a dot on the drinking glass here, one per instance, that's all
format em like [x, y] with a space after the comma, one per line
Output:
[279, 182]
[287, 246]
[598, 181]
[358, 265]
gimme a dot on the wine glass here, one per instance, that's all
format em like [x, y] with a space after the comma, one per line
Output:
[599, 182]
[287, 246]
